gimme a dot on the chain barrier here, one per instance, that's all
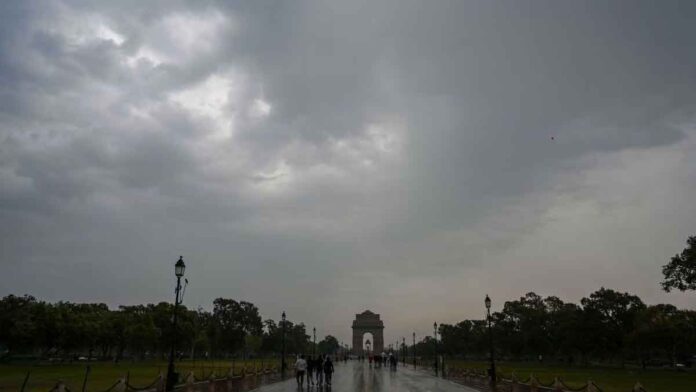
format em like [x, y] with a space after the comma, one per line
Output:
[60, 387]
[566, 387]
[638, 388]
[260, 372]
[116, 384]
[475, 378]
[541, 384]
[132, 388]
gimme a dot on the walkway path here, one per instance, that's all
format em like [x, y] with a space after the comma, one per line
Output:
[357, 376]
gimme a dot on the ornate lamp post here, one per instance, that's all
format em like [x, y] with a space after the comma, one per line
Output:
[491, 371]
[414, 350]
[435, 337]
[403, 351]
[172, 377]
[314, 346]
[283, 365]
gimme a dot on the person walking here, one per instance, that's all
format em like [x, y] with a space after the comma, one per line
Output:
[319, 367]
[311, 368]
[300, 369]
[328, 370]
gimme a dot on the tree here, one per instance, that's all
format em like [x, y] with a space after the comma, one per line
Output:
[272, 337]
[680, 272]
[426, 347]
[565, 336]
[232, 322]
[108, 336]
[468, 338]
[252, 344]
[201, 321]
[523, 326]
[655, 333]
[610, 316]
[329, 345]
[90, 319]
[296, 338]
[17, 326]
[140, 333]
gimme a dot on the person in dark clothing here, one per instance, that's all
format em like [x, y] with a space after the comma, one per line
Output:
[311, 368]
[328, 370]
[318, 368]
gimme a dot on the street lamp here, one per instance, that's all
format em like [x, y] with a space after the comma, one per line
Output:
[435, 337]
[403, 351]
[414, 350]
[283, 365]
[172, 377]
[491, 371]
[314, 346]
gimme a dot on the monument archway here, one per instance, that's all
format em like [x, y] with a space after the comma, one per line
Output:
[368, 322]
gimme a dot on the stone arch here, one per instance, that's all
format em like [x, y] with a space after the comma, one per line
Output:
[368, 322]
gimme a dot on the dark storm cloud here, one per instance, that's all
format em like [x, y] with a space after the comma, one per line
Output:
[349, 148]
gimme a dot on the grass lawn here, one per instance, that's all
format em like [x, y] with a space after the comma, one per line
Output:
[104, 374]
[607, 378]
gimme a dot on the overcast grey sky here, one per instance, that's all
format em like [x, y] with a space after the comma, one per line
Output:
[325, 157]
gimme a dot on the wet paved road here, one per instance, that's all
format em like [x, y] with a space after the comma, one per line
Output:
[359, 377]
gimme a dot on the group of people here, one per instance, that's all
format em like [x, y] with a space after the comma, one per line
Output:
[318, 370]
[384, 360]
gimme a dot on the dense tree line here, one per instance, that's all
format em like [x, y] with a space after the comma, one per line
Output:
[67, 330]
[606, 326]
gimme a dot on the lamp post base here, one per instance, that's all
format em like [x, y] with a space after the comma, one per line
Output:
[172, 378]
[492, 379]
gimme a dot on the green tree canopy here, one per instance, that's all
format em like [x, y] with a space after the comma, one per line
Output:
[232, 322]
[680, 272]
[329, 345]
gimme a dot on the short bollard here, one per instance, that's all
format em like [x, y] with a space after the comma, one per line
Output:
[591, 386]
[161, 384]
[533, 384]
[120, 385]
[557, 385]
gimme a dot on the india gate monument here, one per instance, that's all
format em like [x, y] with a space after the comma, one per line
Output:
[368, 322]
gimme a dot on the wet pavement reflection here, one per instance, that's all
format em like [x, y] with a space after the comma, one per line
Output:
[358, 376]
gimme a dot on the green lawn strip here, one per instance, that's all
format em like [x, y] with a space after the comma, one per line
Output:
[608, 378]
[104, 374]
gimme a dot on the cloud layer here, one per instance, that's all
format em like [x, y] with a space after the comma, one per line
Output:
[324, 158]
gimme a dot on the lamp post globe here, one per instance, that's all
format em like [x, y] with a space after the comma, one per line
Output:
[179, 267]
